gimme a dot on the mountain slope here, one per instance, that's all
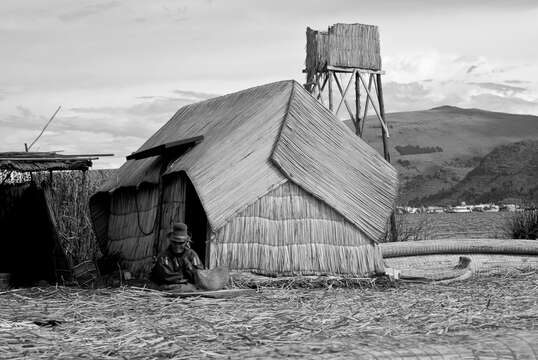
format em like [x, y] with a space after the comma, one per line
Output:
[435, 149]
[508, 172]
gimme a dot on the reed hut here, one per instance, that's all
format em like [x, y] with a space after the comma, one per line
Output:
[267, 180]
[31, 244]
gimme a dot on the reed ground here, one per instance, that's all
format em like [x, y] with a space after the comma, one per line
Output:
[326, 321]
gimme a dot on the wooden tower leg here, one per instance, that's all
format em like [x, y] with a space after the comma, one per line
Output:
[381, 103]
[357, 105]
[331, 105]
[393, 229]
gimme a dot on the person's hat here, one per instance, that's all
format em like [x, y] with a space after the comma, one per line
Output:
[179, 233]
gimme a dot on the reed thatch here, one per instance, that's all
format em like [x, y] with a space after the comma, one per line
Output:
[249, 149]
[323, 157]
[354, 45]
[289, 232]
[317, 49]
[343, 45]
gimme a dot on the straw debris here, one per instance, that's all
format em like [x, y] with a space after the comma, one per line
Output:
[491, 315]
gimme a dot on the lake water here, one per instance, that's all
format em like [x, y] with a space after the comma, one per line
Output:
[456, 225]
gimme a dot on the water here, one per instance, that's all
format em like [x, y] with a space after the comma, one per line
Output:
[457, 225]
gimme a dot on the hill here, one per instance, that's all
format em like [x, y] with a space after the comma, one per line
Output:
[435, 149]
[509, 173]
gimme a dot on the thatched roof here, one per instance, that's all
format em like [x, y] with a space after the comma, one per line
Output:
[43, 161]
[255, 140]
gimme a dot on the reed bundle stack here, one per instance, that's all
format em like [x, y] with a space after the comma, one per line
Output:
[343, 45]
[277, 185]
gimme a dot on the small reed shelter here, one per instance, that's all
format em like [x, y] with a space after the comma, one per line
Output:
[343, 64]
[30, 247]
[267, 179]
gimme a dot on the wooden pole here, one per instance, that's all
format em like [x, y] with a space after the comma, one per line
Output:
[381, 103]
[379, 87]
[357, 105]
[330, 90]
[367, 102]
[378, 113]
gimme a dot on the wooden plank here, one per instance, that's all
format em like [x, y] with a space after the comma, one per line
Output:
[178, 145]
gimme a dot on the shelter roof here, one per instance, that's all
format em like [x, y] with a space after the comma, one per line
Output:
[44, 161]
[257, 139]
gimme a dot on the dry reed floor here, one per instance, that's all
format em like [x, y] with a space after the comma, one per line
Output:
[311, 323]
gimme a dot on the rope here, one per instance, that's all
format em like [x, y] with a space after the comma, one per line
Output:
[138, 218]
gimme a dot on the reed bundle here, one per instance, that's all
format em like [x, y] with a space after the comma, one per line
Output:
[490, 317]
[460, 246]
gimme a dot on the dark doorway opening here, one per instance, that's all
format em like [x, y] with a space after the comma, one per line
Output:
[29, 245]
[196, 220]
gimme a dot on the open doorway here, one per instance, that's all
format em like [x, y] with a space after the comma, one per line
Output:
[29, 245]
[180, 203]
[196, 220]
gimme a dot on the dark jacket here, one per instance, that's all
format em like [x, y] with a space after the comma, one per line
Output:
[176, 269]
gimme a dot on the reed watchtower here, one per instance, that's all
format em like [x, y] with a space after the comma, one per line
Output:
[341, 56]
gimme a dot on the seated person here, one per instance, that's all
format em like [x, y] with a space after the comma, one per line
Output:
[178, 263]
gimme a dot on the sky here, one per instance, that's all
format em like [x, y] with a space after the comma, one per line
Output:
[121, 69]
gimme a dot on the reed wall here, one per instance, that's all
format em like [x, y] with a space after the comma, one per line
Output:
[354, 45]
[317, 50]
[343, 45]
[132, 228]
[290, 232]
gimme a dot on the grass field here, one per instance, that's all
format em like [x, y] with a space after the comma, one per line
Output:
[389, 318]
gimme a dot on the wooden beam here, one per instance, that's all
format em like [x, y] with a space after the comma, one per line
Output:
[344, 97]
[367, 103]
[384, 130]
[320, 95]
[357, 105]
[48, 159]
[375, 109]
[180, 145]
[320, 90]
[330, 91]
[352, 70]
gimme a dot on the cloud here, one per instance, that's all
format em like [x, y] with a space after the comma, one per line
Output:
[88, 10]
[506, 104]
[116, 129]
[502, 88]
